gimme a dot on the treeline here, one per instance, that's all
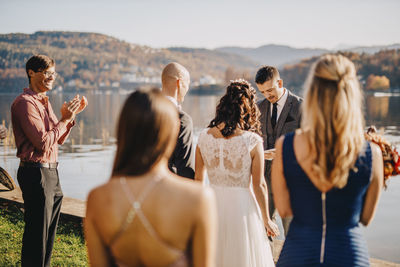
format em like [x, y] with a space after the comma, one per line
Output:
[379, 71]
[91, 60]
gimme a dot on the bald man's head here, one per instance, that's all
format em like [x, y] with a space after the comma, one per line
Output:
[175, 81]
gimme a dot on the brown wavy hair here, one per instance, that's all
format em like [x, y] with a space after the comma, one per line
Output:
[238, 109]
[147, 131]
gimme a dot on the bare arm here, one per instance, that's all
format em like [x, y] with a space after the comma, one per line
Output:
[279, 187]
[97, 250]
[375, 187]
[260, 187]
[200, 169]
[205, 232]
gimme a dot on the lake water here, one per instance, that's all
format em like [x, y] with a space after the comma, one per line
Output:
[86, 158]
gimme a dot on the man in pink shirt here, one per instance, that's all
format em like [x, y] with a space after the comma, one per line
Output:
[38, 133]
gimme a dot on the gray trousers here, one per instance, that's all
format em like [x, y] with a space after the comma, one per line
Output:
[42, 196]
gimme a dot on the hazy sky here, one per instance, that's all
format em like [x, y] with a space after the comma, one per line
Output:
[213, 23]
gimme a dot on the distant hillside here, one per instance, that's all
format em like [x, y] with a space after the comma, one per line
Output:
[280, 55]
[204, 61]
[372, 49]
[384, 64]
[276, 55]
[92, 60]
[88, 61]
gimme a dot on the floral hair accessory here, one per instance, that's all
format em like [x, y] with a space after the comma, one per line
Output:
[391, 158]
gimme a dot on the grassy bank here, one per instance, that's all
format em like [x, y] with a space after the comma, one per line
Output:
[69, 245]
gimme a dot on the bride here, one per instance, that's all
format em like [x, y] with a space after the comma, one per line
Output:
[231, 152]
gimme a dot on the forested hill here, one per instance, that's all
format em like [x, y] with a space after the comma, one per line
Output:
[379, 71]
[92, 60]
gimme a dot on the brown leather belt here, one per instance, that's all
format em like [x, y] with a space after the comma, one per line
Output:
[26, 164]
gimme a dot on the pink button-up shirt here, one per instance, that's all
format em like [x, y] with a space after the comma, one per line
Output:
[37, 130]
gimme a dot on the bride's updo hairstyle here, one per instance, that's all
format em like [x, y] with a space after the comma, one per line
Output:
[147, 131]
[333, 117]
[238, 109]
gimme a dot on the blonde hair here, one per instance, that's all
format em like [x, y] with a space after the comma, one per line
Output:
[333, 117]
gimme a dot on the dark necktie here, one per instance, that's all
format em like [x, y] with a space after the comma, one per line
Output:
[274, 114]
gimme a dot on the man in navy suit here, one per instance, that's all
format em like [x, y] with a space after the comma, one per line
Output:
[280, 114]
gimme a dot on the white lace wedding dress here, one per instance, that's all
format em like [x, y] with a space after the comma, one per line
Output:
[242, 239]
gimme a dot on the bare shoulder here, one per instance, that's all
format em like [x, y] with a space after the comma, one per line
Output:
[300, 137]
[100, 195]
[192, 191]
[188, 186]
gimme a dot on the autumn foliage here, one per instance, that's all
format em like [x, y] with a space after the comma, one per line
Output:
[375, 82]
[379, 71]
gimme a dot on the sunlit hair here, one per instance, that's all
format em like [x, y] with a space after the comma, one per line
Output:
[238, 109]
[333, 117]
[147, 130]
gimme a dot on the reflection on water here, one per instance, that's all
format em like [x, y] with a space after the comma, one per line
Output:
[87, 155]
[383, 111]
[86, 158]
[96, 125]
[377, 107]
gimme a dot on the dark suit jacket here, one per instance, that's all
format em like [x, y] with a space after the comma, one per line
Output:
[288, 121]
[182, 159]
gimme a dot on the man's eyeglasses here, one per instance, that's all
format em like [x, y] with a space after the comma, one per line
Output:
[48, 74]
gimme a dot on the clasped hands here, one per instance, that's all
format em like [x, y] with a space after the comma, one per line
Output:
[272, 228]
[269, 154]
[73, 107]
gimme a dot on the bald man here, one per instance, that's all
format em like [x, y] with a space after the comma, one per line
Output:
[175, 85]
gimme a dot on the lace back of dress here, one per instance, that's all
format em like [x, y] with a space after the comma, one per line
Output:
[228, 161]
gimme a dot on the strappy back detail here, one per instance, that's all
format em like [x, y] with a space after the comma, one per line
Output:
[136, 211]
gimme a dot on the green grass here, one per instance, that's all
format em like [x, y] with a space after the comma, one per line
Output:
[69, 245]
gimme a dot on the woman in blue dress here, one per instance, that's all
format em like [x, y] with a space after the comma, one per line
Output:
[325, 174]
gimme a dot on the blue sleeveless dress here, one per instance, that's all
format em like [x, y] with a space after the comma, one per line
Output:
[325, 230]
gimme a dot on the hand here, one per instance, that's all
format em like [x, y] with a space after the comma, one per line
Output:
[272, 228]
[3, 132]
[269, 154]
[68, 110]
[82, 104]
